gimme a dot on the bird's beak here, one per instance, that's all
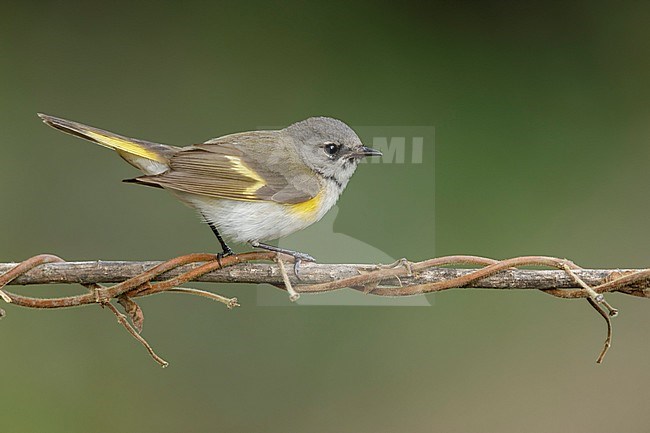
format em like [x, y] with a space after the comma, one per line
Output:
[364, 151]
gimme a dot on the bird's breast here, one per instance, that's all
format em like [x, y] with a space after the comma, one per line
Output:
[244, 221]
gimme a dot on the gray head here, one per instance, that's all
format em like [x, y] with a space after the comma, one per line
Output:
[329, 147]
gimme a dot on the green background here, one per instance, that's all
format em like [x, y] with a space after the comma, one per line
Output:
[541, 118]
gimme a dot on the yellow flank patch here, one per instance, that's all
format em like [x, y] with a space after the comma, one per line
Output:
[124, 145]
[240, 168]
[307, 209]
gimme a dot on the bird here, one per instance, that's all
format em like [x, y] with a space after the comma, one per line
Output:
[249, 187]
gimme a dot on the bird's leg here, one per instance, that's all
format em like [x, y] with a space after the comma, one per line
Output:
[298, 256]
[295, 254]
[226, 249]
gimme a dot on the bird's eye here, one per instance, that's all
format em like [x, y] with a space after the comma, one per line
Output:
[331, 148]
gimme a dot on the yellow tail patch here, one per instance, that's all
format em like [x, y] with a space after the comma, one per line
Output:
[123, 145]
[105, 138]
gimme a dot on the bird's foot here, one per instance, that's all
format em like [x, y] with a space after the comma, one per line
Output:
[297, 255]
[225, 253]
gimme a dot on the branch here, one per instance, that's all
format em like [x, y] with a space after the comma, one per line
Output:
[402, 278]
[317, 273]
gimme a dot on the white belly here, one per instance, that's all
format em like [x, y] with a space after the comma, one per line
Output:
[244, 221]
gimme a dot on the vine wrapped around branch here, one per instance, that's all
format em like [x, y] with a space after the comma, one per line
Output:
[402, 278]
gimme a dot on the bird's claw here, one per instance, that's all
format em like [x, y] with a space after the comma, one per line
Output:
[223, 254]
[299, 258]
[303, 257]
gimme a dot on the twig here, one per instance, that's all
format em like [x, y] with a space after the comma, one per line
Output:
[595, 300]
[608, 320]
[629, 281]
[229, 302]
[293, 295]
[17, 269]
[121, 318]
[402, 278]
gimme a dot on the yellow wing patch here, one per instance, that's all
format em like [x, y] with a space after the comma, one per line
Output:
[240, 168]
[124, 145]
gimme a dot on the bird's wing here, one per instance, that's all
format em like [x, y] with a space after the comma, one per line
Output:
[247, 166]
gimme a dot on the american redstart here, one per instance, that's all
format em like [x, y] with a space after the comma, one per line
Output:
[251, 186]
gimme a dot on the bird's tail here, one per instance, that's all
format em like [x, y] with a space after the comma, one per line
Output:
[151, 158]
